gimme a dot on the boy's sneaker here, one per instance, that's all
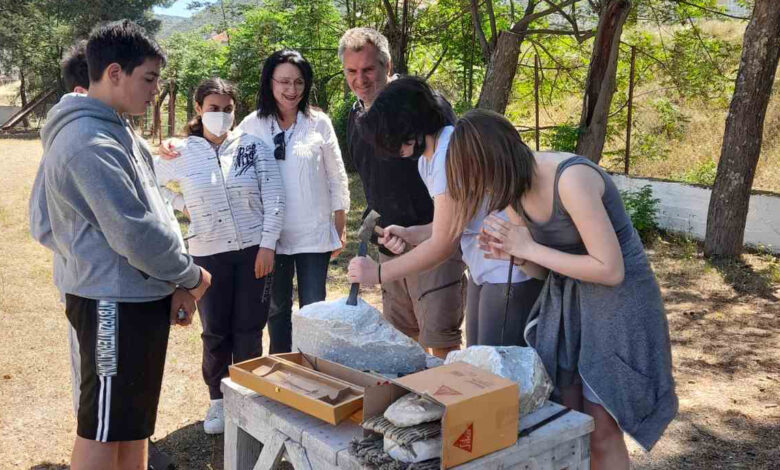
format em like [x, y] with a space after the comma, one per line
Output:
[214, 423]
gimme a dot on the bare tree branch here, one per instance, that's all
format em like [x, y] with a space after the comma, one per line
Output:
[704, 46]
[477, 20]
[436, 65]
[390, 15]
[714, 12]
[559, 65]
[562, 32]
[492, 19]
[520, 26]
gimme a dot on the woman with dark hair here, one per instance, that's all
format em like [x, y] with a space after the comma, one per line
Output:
[599, 324]
[409, 120]
[315, 181]
[232, 189]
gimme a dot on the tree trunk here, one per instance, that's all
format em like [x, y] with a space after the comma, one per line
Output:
[396, 32]
[744, 132]
[23, 96]
[322, 95]
[470, 86]
[190, 104]
[172, 110]
[600, 84]
[500, 73]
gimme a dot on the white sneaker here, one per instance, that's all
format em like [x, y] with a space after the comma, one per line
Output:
[214, 423]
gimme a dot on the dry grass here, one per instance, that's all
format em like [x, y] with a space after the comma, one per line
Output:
[724, 322]
[701, 143]
[9, 94]
[35, 394]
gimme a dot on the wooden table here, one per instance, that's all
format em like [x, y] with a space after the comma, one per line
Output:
[259, 432]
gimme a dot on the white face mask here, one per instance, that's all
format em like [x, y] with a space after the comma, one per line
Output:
[217, 123]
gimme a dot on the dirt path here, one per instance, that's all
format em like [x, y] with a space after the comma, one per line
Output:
[725, 324]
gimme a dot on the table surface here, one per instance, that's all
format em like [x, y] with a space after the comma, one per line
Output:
[327, 445]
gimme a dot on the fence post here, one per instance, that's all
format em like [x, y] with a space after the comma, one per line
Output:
[536, 100]
[630, 109]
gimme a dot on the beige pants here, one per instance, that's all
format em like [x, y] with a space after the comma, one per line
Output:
[428, 305]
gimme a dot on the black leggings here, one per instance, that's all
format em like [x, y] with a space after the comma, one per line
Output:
[233, 313]
[485, 306]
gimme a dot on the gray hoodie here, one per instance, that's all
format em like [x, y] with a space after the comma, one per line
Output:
[96, 204]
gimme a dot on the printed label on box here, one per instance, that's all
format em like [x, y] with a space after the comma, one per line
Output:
[466, 440]
[445, 390]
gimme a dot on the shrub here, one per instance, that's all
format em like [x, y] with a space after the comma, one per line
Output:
[339, 114]
[642, 207]
[563, 138]
[703, 173]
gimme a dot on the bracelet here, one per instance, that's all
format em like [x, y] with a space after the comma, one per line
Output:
[379, 272]
[200, 280]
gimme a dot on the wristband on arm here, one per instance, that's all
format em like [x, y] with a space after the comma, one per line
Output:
[200, 280]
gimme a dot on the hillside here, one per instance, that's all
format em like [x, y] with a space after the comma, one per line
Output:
[211, 15]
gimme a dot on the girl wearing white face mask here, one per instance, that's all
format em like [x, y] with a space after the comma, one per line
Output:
[231, 186]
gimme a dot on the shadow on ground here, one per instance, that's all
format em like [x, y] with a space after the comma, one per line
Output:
[191, 448]
[28, 134]
[739, 442]
[744, 279]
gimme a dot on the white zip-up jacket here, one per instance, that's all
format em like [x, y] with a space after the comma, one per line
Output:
[234, 193]
[314, 177]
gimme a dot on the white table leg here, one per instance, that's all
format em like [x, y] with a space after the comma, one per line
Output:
[241, 449]
[272, 453]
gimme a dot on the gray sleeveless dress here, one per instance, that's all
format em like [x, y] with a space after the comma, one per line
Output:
[616, 339]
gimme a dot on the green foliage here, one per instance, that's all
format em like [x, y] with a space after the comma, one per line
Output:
[339, 115]
[642, 207]
[703, 173]
[277, 25]
[700, 66]
[191, 60]
[35, 33]
[562, 138]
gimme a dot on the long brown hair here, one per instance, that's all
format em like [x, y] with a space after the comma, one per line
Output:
[210, 86]
[487, 163]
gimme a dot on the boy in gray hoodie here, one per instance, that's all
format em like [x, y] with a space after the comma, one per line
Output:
[123, 271]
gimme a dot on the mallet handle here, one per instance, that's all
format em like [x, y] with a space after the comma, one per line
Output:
[353, 291]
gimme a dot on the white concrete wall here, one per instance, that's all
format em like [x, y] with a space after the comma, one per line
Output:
[683, 208]
[6, 112]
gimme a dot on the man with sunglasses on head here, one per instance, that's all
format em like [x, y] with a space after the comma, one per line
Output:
[427, 306]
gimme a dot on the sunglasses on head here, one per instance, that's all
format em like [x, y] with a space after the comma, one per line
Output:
[279, 146]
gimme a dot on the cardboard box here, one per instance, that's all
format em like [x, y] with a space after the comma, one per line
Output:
[315, 386]
[480, 409]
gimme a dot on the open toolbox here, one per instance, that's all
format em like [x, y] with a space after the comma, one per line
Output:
[315, 386]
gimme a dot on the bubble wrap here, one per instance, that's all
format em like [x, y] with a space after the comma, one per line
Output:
[355, 336]
[523, 365]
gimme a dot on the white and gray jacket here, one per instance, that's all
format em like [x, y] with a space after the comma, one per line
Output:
[314, 177]
[234, 193]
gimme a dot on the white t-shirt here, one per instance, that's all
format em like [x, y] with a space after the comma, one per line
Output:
[315, 181]
[434, 175]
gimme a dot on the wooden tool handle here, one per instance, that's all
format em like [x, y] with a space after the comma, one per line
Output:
[353, 291]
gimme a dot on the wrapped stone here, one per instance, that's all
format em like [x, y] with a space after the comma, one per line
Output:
[522, 365]
[433, 361]
[355, 336]
[418, 451]
[412, 409]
